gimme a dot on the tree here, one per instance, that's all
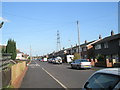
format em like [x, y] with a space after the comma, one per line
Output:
[76, 56]
[3, 49]
[11, 48]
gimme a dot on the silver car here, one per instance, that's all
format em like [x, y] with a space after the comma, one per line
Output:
[81, 63]
[57, 60]
[104, 79]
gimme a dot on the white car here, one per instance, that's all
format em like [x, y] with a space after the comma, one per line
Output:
[81, 63]
[57, 60]
[104, 79]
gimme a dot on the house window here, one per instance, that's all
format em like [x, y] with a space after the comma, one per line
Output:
[85, 56]
[98, 46]
[84, 49]
[106, 45]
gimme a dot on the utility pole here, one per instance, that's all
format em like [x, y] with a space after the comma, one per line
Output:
[78, 39]
[58, 41]
[70, 47]
[30, 53]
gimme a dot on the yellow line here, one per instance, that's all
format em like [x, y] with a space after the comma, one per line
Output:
[56, 79]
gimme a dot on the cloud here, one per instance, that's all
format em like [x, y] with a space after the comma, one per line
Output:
[3, 19]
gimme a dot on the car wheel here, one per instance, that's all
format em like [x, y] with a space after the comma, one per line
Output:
[72, 66]
[78, 67]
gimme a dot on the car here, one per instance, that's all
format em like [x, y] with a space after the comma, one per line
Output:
[41, 59]
[104, 79]
[57, 60]
[81, 63]
[50, 60]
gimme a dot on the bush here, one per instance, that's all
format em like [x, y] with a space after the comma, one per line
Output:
[76, 56]
[100, 57]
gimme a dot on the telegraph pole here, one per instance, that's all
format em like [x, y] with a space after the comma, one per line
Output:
[70, 47]
[58, 41]
[30, 53]
[78, 39]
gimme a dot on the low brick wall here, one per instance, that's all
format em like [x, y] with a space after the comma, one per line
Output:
[105, 63]
[17, 73]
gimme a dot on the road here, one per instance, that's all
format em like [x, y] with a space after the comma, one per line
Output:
[47, 75]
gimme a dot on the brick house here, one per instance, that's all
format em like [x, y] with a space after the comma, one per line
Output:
[108, 47]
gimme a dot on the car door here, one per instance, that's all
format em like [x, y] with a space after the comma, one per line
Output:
[76, 63]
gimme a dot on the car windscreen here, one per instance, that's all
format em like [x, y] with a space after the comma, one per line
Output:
[102, 81]
[84, 60]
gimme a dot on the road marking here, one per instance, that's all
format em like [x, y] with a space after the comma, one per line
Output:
[56, 79]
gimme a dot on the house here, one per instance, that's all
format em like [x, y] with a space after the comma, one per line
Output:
[86, 49]
[21, 55]
[108, 47]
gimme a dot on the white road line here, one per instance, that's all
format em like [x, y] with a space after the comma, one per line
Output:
[36, 63]
[56, 79]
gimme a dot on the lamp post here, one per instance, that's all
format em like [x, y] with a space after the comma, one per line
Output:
[78, 39]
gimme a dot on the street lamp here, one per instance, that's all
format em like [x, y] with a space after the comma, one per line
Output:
[78, 39]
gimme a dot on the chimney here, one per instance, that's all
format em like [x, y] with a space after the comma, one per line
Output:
[100, 37]
[112, 33]
[85, 41]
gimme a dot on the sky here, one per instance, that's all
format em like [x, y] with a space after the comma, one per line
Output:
[35, 24]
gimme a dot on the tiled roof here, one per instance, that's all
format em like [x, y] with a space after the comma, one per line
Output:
[109, 38]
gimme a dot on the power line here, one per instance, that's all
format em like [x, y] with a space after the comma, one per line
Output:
[21, 16]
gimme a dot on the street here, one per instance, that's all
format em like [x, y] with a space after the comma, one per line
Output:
[47, 75]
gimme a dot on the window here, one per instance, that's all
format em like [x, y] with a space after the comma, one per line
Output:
[102, 81]
[84, 49]
[106, 45]
[98, 46]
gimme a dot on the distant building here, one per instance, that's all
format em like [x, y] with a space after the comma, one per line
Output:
[21, 55]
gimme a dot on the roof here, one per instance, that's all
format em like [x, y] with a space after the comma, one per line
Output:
[109, 38]
[84, 44]
[114, 71]
[87, 43]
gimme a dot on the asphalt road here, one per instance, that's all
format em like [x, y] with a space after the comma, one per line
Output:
[47, 75]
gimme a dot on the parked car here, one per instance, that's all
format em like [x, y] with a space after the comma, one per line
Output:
[104, 79]
[81, 63]
[50, 60]
[40, 59]
[57, 60]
